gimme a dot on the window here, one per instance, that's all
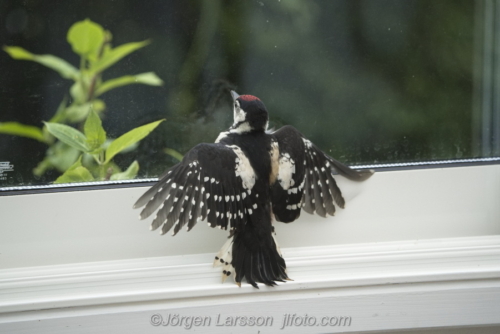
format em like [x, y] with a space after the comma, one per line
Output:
[369, 83]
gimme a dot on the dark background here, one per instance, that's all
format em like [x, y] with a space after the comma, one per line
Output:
[367, 81]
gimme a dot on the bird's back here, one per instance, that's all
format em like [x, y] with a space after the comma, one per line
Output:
[257, 147]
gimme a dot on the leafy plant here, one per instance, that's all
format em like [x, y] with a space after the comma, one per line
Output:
[69, 153]
[93, 142]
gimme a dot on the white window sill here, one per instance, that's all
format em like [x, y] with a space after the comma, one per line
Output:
[384, 286]
[87, 270]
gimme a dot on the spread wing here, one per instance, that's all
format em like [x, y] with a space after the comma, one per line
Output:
[211, 183]
[305, 177]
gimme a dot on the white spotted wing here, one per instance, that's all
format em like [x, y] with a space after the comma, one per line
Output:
[213, 183]
[305, 177]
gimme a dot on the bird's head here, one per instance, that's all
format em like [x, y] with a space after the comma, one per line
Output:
[250, 114]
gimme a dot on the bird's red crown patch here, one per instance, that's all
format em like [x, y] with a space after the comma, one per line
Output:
[248, 98]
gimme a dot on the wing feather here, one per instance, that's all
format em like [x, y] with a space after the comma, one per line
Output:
[323, 186]
[205, 185]
[307, 199]
[306, 178]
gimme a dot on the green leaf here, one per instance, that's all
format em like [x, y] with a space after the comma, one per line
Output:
[127, 149]
[62, 156]
[59, 156]
[94, 131]
[149, 78]
[75, 173]
[18, 129]
[78, 112]
[112, 56]
[129, 174]
[78, 163]
[18, 53]
[68, 135]
[65, 69]
[86, 37]
[78, 93]
[97, 151]
[78, 174]
[173, 153]
[42, 167]
[129, 138]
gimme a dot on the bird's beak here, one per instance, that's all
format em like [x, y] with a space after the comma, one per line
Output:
[234, 95]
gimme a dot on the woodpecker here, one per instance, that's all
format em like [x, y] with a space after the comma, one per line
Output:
[241, 183]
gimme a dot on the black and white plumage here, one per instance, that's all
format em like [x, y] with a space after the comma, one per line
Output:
[241, 182]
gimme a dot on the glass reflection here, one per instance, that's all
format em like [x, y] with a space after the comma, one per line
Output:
[367, 81]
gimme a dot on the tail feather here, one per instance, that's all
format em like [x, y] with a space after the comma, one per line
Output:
[351, 174]
[258, 261]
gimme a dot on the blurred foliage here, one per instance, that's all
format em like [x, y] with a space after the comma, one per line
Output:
[93, 44]
[367, 81]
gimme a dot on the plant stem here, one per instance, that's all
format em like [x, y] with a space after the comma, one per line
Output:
[97, 159]
[93, 82]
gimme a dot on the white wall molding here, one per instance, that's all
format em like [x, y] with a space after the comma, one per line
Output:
[439, 282]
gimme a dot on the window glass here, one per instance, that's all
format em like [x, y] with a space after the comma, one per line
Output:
[367, 81]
